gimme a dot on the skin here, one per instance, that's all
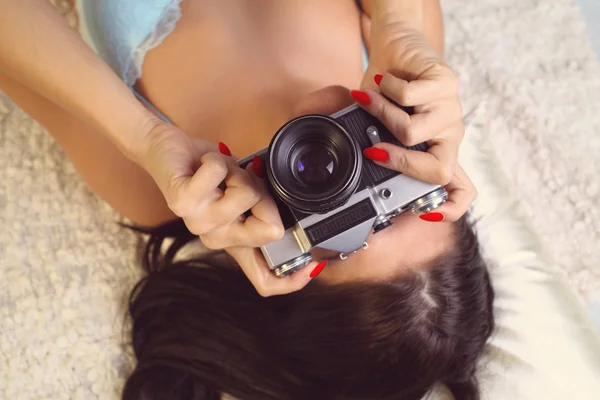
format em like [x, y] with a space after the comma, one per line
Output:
[409, 244]
[226, 93]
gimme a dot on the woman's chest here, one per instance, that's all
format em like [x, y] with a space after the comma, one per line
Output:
[265, 42]
[232, 70]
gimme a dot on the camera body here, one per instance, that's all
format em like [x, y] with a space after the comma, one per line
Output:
[330, 196]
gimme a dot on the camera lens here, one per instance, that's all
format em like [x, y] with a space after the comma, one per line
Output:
[314, 165]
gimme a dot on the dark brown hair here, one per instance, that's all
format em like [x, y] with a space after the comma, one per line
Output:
[200, 329]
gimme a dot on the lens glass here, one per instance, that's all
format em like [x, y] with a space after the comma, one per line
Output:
[315, 165]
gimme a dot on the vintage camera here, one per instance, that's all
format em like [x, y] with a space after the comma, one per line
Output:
[330, 196]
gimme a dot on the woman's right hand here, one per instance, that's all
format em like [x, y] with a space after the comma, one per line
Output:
[204, 186]
[208, 190]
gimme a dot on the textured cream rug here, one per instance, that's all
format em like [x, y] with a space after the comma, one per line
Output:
[530, 80]
[530, 74]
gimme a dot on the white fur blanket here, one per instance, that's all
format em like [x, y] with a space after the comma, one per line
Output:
[528, 67]
[528, 72]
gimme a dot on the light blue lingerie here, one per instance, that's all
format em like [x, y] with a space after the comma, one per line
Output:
[123, 31]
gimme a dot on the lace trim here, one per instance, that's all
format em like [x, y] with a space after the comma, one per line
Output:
[132, 69]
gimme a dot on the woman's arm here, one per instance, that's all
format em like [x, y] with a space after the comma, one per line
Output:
[406, 65]
[407, 11]
[39, 50]
[424, 15]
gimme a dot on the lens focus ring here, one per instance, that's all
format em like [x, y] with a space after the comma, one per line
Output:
[430, 201]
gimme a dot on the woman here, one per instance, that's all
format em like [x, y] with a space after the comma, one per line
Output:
[233, 72]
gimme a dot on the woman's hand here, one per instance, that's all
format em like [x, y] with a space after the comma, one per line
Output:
[205, 187]
[253, 262]
[405, 68]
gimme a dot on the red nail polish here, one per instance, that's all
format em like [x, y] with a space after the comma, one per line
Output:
[376, 154]
[224, 149]
[361, 97]
[258, 167]
[432, 217]
[377, 78]
[318, 269]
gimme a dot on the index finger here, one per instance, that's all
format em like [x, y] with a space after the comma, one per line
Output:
[437, 82]
[262, 226]
[266, 209]
[434, 166]
[185, 193]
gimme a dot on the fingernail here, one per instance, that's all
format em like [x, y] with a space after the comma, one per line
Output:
[361, 97]
[432, 217]
[224, 149]
[259, 168]
[376, 154]
[377, 78]
[318, 269]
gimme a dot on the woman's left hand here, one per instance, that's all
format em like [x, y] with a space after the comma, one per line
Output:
[404, 67]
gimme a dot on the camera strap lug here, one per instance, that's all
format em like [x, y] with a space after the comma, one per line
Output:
[344, 256]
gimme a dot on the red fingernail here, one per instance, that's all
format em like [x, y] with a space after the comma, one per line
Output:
[259, 168]
[432, 217]
[376, 154]
[377, 78]
[361, 97]
[318, 269]
[224, 149]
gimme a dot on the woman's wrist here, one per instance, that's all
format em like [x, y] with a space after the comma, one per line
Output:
[422, 15]
[125, 121]
[405, 12]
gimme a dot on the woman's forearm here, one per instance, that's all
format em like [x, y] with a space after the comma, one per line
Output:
[40, 50]
[433, 24]
[409, 12]
[424, 15]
